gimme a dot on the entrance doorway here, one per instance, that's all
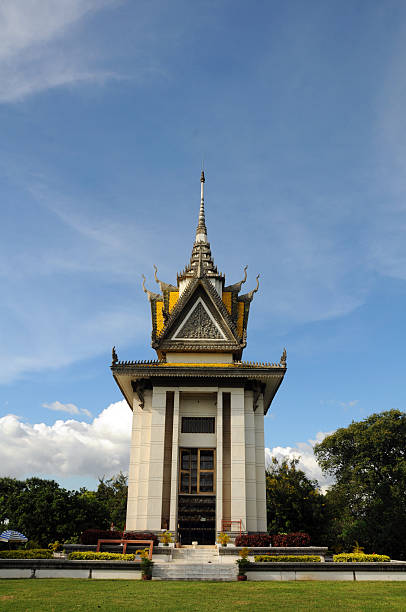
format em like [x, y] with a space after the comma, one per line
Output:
[196, 497]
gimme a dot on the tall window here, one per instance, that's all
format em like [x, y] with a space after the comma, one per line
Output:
[197, 467]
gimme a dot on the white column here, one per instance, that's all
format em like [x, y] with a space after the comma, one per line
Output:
[142, 460]
[219, 461]
[238, 494]
[133, 472]
[156, 459]
[250, 463]
[173, 523]
[260, 465]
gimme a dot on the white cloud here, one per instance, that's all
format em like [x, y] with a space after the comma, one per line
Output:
[67, 448]
[31, 56]
[69, 408]
[307, 461]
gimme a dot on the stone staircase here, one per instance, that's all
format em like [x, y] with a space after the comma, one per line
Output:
[195, 564]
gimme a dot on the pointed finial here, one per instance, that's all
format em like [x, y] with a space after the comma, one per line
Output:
[114, 358]
[284, 358]
[201, 231]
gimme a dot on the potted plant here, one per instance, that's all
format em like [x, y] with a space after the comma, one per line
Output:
[223, 538]
[56, 548]
[243, 563]
[166, 538]
[146, 565]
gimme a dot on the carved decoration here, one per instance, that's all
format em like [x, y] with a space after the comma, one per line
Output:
[163, 286]
[257, 389]
[150, 294]
[283, 358]
[247, 297]
[139, 387]
[114, 357]
[237, 286]
[199, 325]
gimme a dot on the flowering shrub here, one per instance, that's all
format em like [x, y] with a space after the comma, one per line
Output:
[223, 538]
[141, 535]
[99, 556]
[287, 558]
[39, 553]
[291, 539]
[253, 539]
[360, 558]
[90, 536]
[166, 537]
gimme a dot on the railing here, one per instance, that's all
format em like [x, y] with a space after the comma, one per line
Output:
[227, 525]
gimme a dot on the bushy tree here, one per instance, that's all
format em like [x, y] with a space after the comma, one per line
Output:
[368, 501]
[293, 501]
[45, 512]
[113, 494]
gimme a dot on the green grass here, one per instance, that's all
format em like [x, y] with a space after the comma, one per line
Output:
[110, 595]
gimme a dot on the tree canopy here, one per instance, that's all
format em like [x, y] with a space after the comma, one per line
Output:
[368, 500]
[46, 512]
[294, 502]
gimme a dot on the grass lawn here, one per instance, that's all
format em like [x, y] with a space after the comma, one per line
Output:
[110, 595]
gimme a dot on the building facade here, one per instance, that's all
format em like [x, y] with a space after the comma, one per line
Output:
[197, 463]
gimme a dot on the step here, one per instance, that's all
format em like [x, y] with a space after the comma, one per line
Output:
[197, 571]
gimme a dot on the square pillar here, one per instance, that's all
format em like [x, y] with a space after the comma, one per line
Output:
[133, 472]
[173, 523]
[250, 462]
[238, 490]
[219, 461]
[156, 459]
[260, 465]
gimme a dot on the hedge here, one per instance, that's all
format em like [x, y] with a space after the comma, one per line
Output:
[360, 558]
[90, 536]
[34, 553]
[298, 538]
[253, 539]
[99, 556]
[287, 558]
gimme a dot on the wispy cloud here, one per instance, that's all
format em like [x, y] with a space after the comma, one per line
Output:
[37, 46]
[69, 408]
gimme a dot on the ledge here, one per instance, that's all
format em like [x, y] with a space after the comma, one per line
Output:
[327, 566]
[63, 564]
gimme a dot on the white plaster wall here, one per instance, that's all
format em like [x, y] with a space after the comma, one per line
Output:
[196, 405]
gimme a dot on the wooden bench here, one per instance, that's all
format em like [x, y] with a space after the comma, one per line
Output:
[149, 543]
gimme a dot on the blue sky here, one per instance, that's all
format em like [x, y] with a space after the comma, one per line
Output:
[107, 108]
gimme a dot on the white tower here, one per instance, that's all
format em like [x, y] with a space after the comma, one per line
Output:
[197, 462]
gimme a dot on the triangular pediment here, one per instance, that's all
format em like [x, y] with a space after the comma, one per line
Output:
[199, 320]
[199, 324]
